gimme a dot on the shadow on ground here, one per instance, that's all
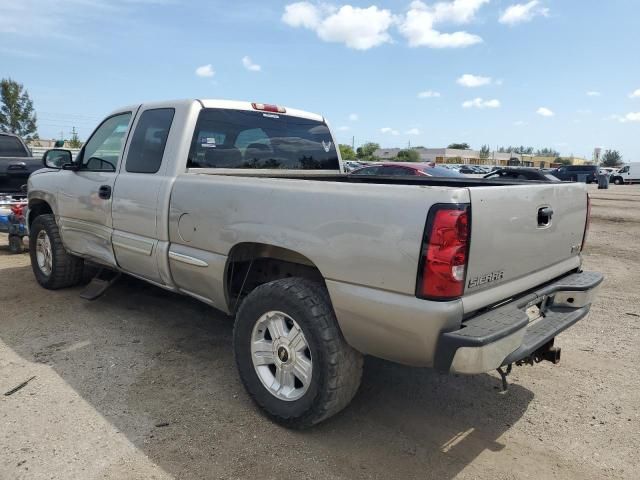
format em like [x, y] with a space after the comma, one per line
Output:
[143, 357]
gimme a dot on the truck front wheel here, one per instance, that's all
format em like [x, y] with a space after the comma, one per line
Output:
[52, 265]
[291, 355]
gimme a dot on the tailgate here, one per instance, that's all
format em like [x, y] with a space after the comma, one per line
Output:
[512, 236]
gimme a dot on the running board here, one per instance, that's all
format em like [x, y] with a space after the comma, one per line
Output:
[99, 284]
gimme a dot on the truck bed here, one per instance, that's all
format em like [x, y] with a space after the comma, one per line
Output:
[369, 179]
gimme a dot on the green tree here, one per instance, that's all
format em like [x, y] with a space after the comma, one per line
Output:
[346, 152]
[611, 158]
[459, 146]
[408, 156]
[547, 152]
[76, 143]
[365, 152]
[16, 110]
[563, 161]
[485, 151]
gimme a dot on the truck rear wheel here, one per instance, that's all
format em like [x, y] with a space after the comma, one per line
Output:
[291, 355]
[52, 265]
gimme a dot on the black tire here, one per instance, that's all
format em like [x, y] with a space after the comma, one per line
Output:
[617, 181]
[337, 367]
[66, 269]
[15, 244]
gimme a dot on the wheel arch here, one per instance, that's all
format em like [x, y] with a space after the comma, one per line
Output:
[37, 207]
[251, 264]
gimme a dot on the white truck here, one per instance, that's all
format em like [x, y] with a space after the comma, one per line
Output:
[628, 174]
[244, 206]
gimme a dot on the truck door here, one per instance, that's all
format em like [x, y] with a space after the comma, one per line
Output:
[85, 195]
[142, 188]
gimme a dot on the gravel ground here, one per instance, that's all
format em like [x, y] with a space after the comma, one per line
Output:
[141, 384]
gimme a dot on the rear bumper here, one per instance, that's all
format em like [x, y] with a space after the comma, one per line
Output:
[506, 334]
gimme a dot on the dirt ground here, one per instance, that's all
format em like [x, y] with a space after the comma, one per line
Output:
[141, 384]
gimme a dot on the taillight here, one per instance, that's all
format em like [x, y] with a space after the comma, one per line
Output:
[445, 250]
[586, 223]
[265, 107]
[18, 209]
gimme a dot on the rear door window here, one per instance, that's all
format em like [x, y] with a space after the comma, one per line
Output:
[253, 139]
[11, 147]
[149, 141]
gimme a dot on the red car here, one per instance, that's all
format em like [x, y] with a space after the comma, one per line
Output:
[406, 169]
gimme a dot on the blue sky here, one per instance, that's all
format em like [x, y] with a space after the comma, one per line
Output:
[546, 73]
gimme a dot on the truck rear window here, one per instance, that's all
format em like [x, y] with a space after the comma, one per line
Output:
[247, 139]
[11, 147]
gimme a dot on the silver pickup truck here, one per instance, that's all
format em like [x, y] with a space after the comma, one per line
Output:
[244, 206]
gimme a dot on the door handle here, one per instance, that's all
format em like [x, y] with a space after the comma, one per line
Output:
[104, 192]
[544, 216]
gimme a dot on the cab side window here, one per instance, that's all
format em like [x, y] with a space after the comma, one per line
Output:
[102, 151]
[149, 141]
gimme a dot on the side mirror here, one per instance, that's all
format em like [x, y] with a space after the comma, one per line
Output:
[57, 158]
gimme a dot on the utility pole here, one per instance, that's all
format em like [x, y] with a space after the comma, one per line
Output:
[353, 143]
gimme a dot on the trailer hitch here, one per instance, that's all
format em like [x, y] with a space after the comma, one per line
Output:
[546, 352]
[503, 376]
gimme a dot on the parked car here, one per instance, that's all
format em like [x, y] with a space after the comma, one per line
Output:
[630, 173]
[467, 169]
[522, 173]
[575, 172]
[407, 169]
[351, 165]
[16, 163]
[243, 206]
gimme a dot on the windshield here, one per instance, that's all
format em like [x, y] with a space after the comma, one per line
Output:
[251, 139]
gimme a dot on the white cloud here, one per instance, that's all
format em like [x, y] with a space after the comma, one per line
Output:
[458, 11]
[481, 103]
[249, 65]
[468, 80]
[545, 112]
[523, 12]
[389, 130]
[519, 123]
[593, 93]
[364, 28]
[418, 25]
[205, 71]
[344, 128]
[353, 117]
[629, 117]
[428, 94]
[412, 131]
[357, 28]
[301, 14]
[635, 94]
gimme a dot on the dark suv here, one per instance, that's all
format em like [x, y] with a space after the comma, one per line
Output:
[575, 172]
